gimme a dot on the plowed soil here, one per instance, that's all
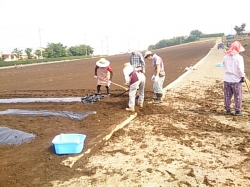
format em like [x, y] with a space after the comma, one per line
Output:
[35, 163]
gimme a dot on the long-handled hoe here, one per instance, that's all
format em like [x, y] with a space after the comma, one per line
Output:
[125, 88]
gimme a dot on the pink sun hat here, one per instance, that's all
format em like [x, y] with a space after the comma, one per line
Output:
[235, 48]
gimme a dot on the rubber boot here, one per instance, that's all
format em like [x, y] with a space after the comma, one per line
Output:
[98, 89]
[107, 88]
[158, 98]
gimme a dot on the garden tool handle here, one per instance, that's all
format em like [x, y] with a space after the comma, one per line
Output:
[117, 84]
[246, 82]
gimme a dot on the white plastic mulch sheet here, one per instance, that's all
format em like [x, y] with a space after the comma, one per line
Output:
[88, 99]
[46, 113]
[30, 100]
[12, 136]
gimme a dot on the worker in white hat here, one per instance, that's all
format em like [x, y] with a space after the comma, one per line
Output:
[135, 80]
[158, 75]
[104, 74]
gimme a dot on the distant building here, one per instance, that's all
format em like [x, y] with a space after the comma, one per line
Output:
[246, 33]
[9, 57]
[12, 57]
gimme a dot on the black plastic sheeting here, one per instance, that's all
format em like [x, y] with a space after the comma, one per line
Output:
[46, 113]
[12, 136]
[91, 98]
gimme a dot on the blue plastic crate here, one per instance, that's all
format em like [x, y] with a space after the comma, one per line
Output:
[68, 143]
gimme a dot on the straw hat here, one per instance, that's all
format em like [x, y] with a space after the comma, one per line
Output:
[102, 62]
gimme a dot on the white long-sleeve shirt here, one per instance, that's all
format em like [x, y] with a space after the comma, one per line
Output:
[127, 71]
[234, 68]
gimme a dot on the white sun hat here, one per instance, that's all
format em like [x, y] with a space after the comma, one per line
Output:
[147, 53]
[102, 62]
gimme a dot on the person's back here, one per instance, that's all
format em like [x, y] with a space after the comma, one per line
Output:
[234, 68]
[137, 60]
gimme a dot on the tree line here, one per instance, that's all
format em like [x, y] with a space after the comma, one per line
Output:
[193, 36]
[54, 50]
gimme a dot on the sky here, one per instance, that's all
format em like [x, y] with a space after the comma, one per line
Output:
[114, 26]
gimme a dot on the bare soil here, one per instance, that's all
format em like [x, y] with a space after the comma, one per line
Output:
[35, 163]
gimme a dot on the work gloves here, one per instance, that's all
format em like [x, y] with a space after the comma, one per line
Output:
[95, 76]
[242, 79]
[155, 78]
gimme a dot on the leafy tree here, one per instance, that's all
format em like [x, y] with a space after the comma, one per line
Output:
[28, 52]
[196, 33]
[240, 29]
[1, 56]
[79, 50]
[190, 38]
[38, 52]
[151, 47]
[55, 50]
[17, 52]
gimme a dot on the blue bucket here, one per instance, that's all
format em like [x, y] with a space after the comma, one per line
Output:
[68, 143]
[219, 65]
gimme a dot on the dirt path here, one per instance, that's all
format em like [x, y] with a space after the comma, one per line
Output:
[191, 143]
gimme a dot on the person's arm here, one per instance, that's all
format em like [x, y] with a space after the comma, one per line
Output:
[241, 67]
[111, 75]
[142, 63]
[157, 66]
[157, 69]
[111, 72]
[130, 59]
[96, 67]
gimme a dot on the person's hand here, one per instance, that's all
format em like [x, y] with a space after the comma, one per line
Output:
[153, 78]
[242, 79]
[126, 84]
[95, 76]
[156, 78]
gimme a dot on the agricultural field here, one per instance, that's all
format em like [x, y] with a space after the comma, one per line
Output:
[35, 163]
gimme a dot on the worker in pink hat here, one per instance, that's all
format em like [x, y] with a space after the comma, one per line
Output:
[104, 74]
[234, 76]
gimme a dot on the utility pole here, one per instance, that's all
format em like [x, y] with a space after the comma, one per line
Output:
[180, 37]
[107, 46]
[102, 47]
[231, 28]
[128, 45]
[86, 47]
[41, 51]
